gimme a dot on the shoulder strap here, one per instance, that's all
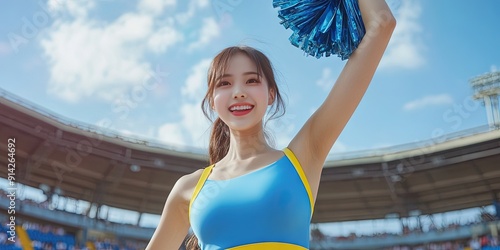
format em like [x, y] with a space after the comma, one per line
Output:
[199, 185]
[302, 175]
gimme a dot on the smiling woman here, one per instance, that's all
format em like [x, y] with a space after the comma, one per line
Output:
[241, 90]
[239, 76]
[253, 196]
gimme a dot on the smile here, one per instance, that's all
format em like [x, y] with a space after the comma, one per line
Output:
[241, 110]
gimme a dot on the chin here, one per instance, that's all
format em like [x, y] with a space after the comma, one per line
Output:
[243, 126]
[243, 123]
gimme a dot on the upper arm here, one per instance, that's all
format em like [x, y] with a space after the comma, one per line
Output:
[316, 138]
[174, 222]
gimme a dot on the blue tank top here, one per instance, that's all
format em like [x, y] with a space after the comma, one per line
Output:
[268, 208]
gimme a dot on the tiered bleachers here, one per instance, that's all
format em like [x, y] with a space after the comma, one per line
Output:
[109, 244]
[485, 242]
[48, 237]
[50, 240]
[37, 240]
[481, 234]
[5, 244]
[53, 237]
[9, 247]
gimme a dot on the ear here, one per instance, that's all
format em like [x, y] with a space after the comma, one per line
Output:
[211, 103]
[272, 96]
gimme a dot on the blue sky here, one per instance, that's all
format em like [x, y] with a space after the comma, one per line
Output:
[141, 65]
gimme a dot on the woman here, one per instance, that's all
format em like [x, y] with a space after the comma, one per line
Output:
[253, 196]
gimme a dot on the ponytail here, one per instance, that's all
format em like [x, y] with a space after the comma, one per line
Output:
[218, 148]
[219, 141]
[192, 243]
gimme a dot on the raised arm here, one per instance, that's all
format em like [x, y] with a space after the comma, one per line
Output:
[316, 138]
[174, 223]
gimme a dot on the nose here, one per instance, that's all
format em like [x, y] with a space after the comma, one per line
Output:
[239, 93]
[240, 96]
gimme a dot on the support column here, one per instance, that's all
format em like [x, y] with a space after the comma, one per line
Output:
[496, 205]
[139, 219]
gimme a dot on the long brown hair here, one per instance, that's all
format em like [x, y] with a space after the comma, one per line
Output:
[219, 137]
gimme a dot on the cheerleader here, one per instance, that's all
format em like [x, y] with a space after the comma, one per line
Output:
[253, 196]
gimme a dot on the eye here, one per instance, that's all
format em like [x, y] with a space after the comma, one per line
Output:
[253, 80]
[224, 83]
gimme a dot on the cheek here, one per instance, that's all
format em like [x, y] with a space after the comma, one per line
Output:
[262, 94]
[219, 100]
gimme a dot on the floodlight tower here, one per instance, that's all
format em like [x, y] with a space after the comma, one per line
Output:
[487, 87]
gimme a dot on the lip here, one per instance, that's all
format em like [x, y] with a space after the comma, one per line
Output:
[239, 112]
[241, 104]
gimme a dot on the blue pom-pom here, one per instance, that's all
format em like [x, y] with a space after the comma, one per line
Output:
[323, 27]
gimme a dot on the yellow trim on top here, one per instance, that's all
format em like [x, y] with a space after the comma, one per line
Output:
[199, 185]
[302, 175]
[268, 246]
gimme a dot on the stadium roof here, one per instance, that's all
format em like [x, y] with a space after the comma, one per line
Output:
[438, 176]
[95, 165]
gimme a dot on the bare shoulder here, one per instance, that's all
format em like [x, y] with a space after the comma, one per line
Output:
[185, 185]
[174, 221]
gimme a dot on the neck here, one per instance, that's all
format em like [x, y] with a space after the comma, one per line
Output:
[247, 144]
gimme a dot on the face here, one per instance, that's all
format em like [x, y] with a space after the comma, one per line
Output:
[241, 85]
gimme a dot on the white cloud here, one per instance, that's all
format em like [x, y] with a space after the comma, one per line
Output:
[88, 58]
[106, 67]
[193, 129]
[171, 133]
[136, 129]
[196, 82]
[194, 6]
[339, 147]
[382, 145]
[432, 100]
[155, 7]
[405, 50]
[282, 137]
[327, 79]
[91, 58]
[164, 38]
[126, 132]
[207, 33]
[76, 8]
[131, 27]
[493, 68]
[195, 124]
[282, 129]
[201, 3]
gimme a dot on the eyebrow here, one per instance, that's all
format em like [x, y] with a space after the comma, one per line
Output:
[246, 73]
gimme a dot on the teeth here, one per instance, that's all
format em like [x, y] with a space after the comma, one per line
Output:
[245, 107]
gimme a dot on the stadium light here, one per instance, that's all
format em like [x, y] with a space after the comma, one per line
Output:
[135, 168]
[487, 88]
[392, 216]
[159, 162]
[58, 191]
[358, 172]
[44, 187]
[414, 213]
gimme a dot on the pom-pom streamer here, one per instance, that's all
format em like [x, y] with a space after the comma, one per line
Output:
[323, 27]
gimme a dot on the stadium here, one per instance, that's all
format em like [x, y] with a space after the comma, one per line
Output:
[71, 163]
[417, 167]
